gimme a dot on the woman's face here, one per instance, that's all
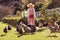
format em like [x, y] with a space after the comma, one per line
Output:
[30, 6]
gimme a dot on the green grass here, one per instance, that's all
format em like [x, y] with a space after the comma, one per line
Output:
[12, 35]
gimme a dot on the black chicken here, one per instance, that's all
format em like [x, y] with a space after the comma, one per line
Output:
[9, 27]
[5, 30]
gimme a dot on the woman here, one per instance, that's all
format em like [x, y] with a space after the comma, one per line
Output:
[31, 17]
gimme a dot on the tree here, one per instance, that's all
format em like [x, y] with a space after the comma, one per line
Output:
[44, 13]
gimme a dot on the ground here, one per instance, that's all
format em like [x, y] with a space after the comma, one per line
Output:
[12, 35]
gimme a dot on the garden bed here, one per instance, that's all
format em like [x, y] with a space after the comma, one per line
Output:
[13, 20]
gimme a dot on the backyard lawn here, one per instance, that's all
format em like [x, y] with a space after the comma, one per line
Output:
[12, 35]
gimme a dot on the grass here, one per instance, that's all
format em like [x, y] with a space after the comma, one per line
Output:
[12, 35]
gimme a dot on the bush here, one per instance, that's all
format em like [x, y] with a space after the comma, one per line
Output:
[13, 20]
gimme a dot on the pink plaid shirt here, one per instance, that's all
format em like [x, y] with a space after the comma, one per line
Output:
[31, 16]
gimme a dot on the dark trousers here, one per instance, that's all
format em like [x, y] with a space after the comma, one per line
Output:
[20, 31]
